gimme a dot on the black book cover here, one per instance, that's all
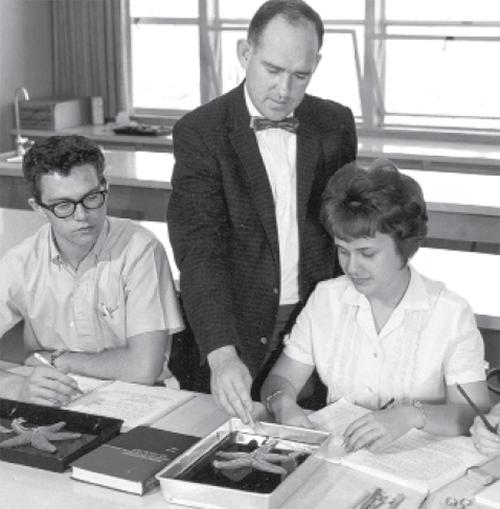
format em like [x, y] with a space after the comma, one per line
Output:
[130, 461]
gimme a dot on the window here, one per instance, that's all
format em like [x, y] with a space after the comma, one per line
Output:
[399, 64]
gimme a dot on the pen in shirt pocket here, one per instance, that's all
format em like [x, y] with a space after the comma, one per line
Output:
[105, 311]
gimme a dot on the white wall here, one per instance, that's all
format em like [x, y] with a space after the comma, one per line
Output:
[25, 56]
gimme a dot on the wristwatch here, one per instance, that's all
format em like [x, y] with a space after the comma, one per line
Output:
[420, 408]
[51, 355]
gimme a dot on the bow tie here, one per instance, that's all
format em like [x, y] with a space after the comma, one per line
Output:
[289, 124]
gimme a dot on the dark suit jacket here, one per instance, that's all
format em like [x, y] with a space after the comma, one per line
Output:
[222, 221]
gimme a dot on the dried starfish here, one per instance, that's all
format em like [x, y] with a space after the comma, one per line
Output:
[260, 459]
[39, 437]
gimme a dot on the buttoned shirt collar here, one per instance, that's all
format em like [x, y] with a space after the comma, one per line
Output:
[56, 257]
[416, 296]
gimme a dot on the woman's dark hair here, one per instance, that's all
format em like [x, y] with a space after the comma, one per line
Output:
[359, 202]
[294, 11]
[60, 154]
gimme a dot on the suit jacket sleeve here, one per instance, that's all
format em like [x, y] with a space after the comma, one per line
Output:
[198, 228]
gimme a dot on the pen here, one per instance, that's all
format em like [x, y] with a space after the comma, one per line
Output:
[45, 362]
[487, 423]
[388, 404]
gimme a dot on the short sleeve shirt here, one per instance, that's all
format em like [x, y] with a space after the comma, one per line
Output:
[122, 288]
[430, 340]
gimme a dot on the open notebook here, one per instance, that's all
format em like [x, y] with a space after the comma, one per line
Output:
[418, 460]
[135, 404]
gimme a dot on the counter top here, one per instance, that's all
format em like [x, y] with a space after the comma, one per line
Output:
[424, 153]
[131, 168]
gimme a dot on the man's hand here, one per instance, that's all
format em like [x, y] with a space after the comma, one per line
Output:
[485, 441]
[230, 382]
[377, 430]
[47, 386]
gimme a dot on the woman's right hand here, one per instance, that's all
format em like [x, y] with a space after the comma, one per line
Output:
[47, 386]
[486, 442]
[287, 411]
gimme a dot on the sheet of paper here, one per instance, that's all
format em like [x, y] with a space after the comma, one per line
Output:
[336, 417]
[490, 496]
[133, 403]
[419, 460]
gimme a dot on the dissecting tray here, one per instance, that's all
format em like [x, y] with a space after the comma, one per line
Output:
[95, 430]
[193, 480]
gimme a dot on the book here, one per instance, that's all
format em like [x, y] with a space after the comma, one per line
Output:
[489, 496]
[418, 460]
[135, 404]
[130, 461]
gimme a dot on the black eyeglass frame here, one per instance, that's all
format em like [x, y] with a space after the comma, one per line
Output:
[81, 201]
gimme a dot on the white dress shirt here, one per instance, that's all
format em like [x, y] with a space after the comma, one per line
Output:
[430, 340]
[278, 149]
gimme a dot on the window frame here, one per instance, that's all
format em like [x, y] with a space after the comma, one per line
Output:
[371, 72]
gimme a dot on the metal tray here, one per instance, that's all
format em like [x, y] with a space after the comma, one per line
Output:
[182, 482]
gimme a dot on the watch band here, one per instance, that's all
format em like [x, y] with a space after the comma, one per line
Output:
[270, 399]
[52, 355]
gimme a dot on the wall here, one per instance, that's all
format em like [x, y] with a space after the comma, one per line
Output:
[25, 56]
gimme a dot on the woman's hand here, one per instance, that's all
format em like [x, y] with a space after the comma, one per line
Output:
[287, 411]
[485, 441]
[378, 429]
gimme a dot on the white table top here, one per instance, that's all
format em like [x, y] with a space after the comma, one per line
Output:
[329, 485]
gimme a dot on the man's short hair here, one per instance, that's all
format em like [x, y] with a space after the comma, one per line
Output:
[294, 12]
[360, 202]
[60, 154]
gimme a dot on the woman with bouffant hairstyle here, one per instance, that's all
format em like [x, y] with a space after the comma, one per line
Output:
[382, 335]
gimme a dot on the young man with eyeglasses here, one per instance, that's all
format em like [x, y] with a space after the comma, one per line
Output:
[96, 293]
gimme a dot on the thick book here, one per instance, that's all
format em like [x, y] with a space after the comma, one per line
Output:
[130, 461]
[418, 460]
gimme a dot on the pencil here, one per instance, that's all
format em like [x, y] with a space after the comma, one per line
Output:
[45, 362]
[487, 423]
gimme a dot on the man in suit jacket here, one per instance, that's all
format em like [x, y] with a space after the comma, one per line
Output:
[244, 210]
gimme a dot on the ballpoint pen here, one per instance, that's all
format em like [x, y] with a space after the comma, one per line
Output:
[45, 362]
[489, 426]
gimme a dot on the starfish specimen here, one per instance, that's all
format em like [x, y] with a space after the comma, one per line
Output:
[39, 437]
[260, 458]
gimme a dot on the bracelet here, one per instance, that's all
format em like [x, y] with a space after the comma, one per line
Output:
[269, 400]
[418, 405]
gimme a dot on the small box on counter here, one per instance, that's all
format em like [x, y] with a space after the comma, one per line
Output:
[52, 114]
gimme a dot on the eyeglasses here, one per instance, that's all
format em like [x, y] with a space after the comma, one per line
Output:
[66, 208]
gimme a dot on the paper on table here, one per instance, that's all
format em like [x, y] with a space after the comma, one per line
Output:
[336, 417]
[418, 460]
[133, 403]
[421, 461]
[490, 496]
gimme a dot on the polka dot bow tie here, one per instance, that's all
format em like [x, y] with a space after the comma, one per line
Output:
[289, 124]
